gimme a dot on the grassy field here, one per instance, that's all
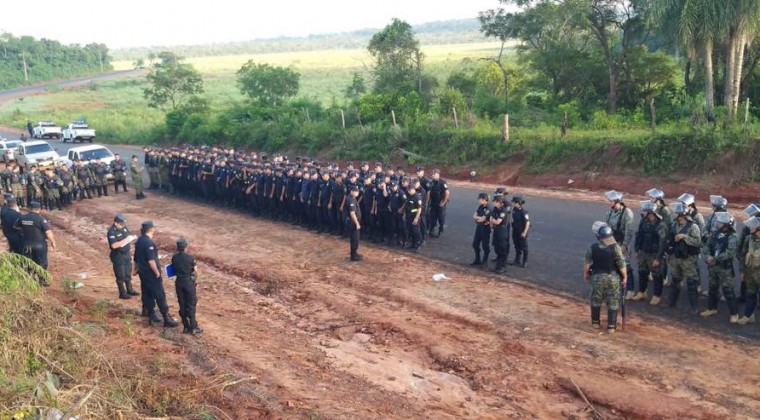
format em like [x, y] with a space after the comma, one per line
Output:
[117, 109]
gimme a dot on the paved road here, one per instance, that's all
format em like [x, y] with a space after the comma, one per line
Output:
[80, 81]
[558, 240]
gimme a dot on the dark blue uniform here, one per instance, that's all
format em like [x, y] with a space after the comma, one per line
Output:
[184, 269]
[122, 263]
[520, 219]
[34, 229]
[153, 286]
[482, 234]
[14, 236]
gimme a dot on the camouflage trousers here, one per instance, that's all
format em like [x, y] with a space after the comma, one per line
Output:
[720, 277]
[605, 288]
[752, 277]
[684, 268]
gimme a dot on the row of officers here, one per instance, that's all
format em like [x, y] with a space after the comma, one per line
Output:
[57, 185]
[668, 244]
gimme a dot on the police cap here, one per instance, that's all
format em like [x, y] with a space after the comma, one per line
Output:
[35, 205]
[483, 196]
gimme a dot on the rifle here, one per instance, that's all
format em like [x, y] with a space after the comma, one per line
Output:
[622, 307]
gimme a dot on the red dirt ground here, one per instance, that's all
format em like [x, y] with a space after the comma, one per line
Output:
[313, 335]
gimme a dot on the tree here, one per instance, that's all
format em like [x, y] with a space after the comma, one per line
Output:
[357, 88]
[398, 60]
[267, 85]
[172, 82]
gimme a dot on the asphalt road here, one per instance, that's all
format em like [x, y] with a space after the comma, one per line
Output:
[80, 81]
[560, 235]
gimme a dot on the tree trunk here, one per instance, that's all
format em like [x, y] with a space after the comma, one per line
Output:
[652, 114]
[729, 72]
[709, 82]
[687, 78]
[740, 45]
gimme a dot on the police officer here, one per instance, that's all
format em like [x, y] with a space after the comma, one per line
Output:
[605, 268]
[498, 220]
[751, 268]
[620, 219]
[36, 233]
[186, 272]
[9, 215]
[148, 267]
[137, 177]
[119, 241]
[685, 241]
[100, 173]
[119, 171]
[719, 253]
[650, 248]
[414, 216]
[753, 210]
[520, 228]
[439, 195]
[354, 222]
[482, 218]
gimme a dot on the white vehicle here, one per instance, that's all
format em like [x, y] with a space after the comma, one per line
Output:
[90, 154]
[8, 149]
[46, 129]
[78, 131]
[39, 153]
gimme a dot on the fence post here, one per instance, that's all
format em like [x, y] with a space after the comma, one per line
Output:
[343, 119]
[746, 114]
[308, 118]
[505, 128]
[456, 120]
[564, 125]
[393, 114]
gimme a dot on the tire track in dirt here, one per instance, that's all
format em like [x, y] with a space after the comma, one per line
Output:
[471, 347]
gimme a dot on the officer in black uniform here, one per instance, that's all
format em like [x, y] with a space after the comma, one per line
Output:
[185, 270]
[119, 240]
[414, 216]
[148, 267]
[482, 217]
[520, 228]
[498, 221]
[9, 215]
[36, 232]
[439, 197]
[353, 222]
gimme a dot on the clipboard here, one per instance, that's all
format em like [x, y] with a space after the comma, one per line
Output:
[170, 270]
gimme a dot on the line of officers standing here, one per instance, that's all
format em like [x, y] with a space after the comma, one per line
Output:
[390, 206]
[57, 185]
[505, 215]
[668, 245]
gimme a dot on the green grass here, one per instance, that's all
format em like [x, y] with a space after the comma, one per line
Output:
[117, 110]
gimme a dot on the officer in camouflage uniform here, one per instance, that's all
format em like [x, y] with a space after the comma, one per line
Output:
[605, 268]
[67, 184]
[750, 263]
[684, 248]
[620, 219]
[100, 175]
[650, 247]
[51, 191]
[753, 210]
[719, 252]
[16, 187]
[84, 178]
[162, 162]
[137, 177]
[35, 185]
[119, 171]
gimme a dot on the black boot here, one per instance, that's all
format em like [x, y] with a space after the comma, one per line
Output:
[153, 319]
[485, 259]
[517, 259]
[596, 314]
[742, 292]
[187, 329]
[105, 190]
[477, 259]
[611, 321]
[196, 330]
[123, 291]
[693, 293]
[169, 322]
[525, 259]
[675, 292]
[130, 290]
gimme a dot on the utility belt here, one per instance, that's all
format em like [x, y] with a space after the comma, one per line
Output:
[191, 278]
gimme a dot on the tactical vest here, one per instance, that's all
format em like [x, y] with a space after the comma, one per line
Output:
[650, 238]
[681, 249]
[617, 231]
[603, 259]
[720, 246]
[752, 259]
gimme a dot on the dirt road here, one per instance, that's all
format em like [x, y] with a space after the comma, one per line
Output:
[318, 336]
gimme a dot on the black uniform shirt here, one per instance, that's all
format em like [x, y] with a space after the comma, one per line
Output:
[117, 235]
[499, 214]
[484, 211]
[352, 206]
[9, 218]
[438, 191]
[184, 265]
[33, 227]
[519, 219]
[146, 250]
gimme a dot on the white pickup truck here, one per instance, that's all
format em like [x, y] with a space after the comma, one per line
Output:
[39, 153]
[90, 154]
[46, 129]
[78, 131]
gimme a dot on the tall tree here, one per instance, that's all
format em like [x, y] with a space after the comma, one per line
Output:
[742, 18]
[172, 82]
[398, 60]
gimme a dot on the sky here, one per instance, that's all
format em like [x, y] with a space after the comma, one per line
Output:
[139, 23]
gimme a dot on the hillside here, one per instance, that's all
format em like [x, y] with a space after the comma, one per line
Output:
[431, 33]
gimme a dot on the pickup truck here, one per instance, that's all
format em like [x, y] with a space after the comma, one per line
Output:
[39, 153]
[78, 131]
[8, 149]
[90, 154]
[46, 129]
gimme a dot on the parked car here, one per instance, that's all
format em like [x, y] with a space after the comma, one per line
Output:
[39, 153]
[78, 131]
[8, 149]
[89, 154]
[46, 129]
